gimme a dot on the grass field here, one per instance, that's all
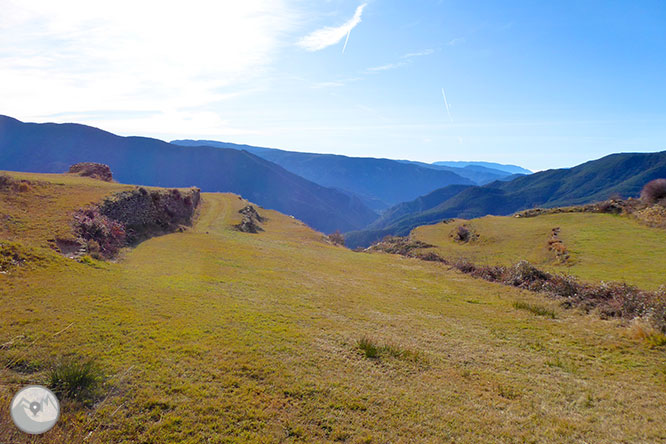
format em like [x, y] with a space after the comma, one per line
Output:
[602, 247]
[213, 335]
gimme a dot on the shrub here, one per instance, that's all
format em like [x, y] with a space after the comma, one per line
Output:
[15, 185]
[462, 234]
[5, 180]
[337, 238]
[76, 380]
[108, 234]
[654, 192]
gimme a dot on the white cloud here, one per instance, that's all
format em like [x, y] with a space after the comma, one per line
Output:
[406, 61]
[386, 67]
[425, 52]
[75, 56]
[456, 41]
[330, 35]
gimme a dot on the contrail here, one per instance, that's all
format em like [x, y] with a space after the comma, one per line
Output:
[346, 40]
[446, 103]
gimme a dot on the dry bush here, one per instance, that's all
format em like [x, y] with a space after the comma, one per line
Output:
[654, 192]
[14, 185]
[99, 231]
[336, 238]
[613, 299]
[464, 234]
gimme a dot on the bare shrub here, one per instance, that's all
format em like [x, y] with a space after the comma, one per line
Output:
[14, 185]
[654, 192]
[336, 238]
[463, 234]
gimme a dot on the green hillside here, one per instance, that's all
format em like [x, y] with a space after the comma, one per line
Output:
[601, 247]
[214, 335]
[622, 174]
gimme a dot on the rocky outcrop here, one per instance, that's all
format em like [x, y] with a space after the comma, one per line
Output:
[97, 171]
[145, 213]
[251, 220]
[129, 217]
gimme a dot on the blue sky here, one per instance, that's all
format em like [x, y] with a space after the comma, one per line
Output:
[540, 84]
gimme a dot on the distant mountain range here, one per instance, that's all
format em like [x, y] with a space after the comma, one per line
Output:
[328, 192]
[52, 148]
[480, 173]
[624, 174]
[379, 182]
[511, 169]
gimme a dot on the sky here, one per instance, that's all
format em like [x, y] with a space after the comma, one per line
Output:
[541, 84]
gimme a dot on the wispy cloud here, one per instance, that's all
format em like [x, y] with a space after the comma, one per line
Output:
[76, 56]
[335, 83]
[456, 41]
[331, 35]
[425, 52]
[386, 67]
[404, 61]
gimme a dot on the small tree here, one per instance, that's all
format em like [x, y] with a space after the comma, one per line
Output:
[654, 192]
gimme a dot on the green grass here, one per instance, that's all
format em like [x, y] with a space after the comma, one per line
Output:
[75, 379]
[369, 347]
[602, 247]
[537, 309]
[374, 350]
[213, 335]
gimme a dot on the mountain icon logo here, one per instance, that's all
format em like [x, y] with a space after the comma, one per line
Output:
[35, 409]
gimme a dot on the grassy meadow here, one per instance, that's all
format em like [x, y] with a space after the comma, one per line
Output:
[213, 335]
[601, 247]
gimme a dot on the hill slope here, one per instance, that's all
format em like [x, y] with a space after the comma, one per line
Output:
[213, 335]
[52, 148]
[380, 182]
[599, 247]
[623, 174]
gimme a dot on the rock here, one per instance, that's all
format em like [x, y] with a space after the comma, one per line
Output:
[251, 220]
[94, 170]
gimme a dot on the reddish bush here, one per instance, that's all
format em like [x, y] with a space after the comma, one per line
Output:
[654, 192]
[109, 234]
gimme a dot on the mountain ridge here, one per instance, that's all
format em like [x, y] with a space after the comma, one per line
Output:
[595, 180]
[379, 182]
[52, 148]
